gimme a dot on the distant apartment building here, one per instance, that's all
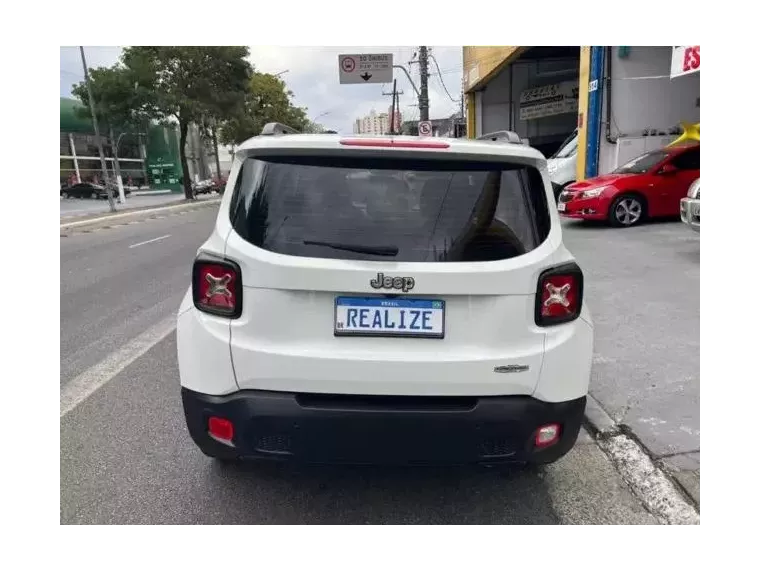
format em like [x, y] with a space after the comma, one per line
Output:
[372, 124]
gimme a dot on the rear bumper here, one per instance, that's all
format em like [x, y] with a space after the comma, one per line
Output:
[318, 428]
[690, 214]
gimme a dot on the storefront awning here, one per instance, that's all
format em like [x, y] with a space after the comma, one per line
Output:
[482, 63]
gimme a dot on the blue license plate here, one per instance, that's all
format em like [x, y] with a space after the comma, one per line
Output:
[373, 316]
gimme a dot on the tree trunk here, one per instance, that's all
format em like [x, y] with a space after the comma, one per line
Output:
[216, 151]
[183, 159]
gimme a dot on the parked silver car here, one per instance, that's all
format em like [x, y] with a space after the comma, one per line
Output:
[690, 207]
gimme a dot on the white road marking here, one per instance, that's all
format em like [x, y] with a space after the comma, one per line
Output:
[83, 386]
[149, 241]
[648, 483]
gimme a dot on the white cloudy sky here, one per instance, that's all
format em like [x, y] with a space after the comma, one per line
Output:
[313, 78]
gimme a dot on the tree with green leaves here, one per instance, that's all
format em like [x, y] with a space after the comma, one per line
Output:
[268, 100]
[189, 84]
[119, 104]
[204, 85]
[313, 128]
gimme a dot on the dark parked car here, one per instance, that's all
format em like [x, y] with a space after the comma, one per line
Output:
[219, 184]
[89, 190]
[203, 187]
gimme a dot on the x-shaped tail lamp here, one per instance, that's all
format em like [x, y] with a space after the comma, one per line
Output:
[557, 295]
[218, 285]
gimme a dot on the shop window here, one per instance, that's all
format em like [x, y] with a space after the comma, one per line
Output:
[65, 148]
[87, 145]
[129, 148]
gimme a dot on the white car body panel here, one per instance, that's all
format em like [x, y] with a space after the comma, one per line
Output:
[562, 171]
[284, 341]
[203, 351]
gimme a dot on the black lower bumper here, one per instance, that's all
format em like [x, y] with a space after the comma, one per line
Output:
[322, 428]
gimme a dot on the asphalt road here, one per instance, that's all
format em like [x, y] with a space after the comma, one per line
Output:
[114, 287]
[126, 456]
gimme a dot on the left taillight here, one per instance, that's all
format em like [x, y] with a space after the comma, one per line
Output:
[560, 295]
[217, 287]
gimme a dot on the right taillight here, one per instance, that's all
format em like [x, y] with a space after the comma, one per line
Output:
[559, 295]
[217, 287]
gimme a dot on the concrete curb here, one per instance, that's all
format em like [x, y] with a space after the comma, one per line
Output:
[663, 494]
[597, 419]
[129, 213]
[150, 192]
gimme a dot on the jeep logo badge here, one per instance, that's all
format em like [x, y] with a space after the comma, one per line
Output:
[384, 282]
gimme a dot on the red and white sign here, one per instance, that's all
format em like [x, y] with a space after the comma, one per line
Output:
[425, 128]
[685, 60]
[348, 64]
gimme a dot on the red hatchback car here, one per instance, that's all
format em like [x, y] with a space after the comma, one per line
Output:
[649, 186]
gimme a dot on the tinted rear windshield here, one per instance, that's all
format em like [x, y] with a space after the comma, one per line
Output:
[390, 209]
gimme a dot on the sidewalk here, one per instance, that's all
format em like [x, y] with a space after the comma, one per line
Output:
[123, 216]
[73, 210]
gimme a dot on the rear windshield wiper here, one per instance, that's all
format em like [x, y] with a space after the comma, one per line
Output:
[389, 250]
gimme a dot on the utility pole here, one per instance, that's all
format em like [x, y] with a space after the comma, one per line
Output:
[393, 109]
[215, 142]
[424, 101]
[394, 106]
[461, 129]
[396, 112]
[116, 167]
[111, 204]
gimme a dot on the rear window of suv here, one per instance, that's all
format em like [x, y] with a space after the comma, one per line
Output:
[390, 209]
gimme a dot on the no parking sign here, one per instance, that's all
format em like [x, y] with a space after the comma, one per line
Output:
[425, 128]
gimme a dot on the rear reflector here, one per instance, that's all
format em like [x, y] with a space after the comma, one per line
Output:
[217, 287]
[392, 143]
[221, 429]
[559, 295]
[547, 435]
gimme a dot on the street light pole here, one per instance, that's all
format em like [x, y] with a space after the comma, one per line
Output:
[111, 204]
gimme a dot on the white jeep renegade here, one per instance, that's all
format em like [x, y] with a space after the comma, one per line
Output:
[385, 300]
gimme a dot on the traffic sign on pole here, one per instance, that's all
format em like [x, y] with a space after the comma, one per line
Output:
[365, 68]
[425, 128]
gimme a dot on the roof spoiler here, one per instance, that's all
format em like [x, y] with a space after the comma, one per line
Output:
[502, 136]
[277, 129]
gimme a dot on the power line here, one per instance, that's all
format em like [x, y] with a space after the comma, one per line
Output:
[440, 78]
